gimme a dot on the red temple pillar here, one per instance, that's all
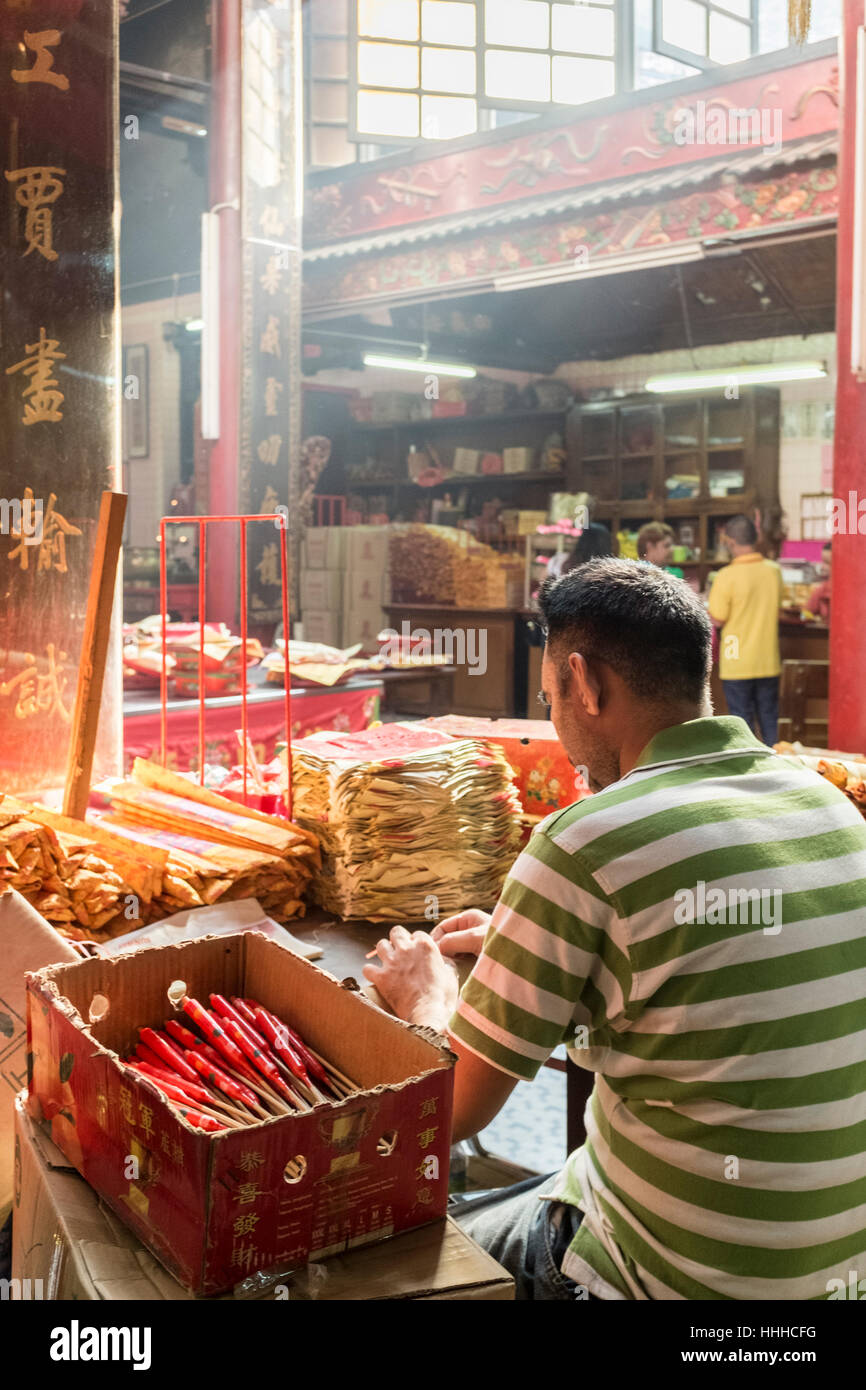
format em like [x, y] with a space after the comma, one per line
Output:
[848, 608]
[223, 602]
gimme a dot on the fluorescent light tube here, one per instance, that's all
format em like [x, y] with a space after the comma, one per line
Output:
[737, 376]
[418, 364]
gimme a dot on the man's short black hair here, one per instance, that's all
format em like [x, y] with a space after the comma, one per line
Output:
[742, 530]
[646, 625]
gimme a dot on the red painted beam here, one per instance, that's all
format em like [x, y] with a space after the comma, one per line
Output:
[225, 187]
[848, 606]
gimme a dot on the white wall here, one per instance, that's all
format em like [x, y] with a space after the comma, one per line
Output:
[151, 479]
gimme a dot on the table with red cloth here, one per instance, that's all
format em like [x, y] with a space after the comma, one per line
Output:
[349, 708]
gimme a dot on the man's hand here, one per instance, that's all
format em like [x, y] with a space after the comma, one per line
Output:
[463, 934]
[414, 980]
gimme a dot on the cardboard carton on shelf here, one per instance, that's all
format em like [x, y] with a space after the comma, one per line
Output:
[326, 628]
[324, 547]
[27, 942]
[367, 549]
[518, 460]
[520, 522]
[366, 589]
[467, 461]
[363, 623]
[322, 590]
[67, 1244]
[309, 1184]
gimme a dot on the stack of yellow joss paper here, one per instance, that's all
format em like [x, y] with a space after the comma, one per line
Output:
[412, 823]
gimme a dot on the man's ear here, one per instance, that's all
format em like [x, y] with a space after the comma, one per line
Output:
[586, 683]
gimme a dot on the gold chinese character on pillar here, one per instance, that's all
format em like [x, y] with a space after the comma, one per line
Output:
[43, 69]
[273, 391]
[43, 398]
[269, 565]
[272, 276]
[270, 221]
[38, 691]
[38, 187]
[50, 545]
[270, 340]
[269, 449]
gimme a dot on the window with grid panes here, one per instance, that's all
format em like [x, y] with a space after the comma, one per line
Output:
[429, 68]
[479, 64]
[706, 32]
[261, 124]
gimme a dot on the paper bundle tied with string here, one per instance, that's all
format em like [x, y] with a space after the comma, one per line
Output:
[408, 819]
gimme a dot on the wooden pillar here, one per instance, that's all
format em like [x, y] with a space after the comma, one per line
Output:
[59, 369]
[848, 609]
[225, 191]
[256, 168]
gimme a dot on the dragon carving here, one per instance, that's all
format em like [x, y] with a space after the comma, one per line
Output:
[540, 161]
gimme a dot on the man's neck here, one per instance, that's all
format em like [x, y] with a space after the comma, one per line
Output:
[642, 732]
[738, 550]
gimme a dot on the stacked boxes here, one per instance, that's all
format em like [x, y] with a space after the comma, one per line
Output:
[322, 585]
[344, 583]
[366, 584]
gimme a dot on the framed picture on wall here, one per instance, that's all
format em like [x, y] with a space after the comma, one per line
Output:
[136, 402]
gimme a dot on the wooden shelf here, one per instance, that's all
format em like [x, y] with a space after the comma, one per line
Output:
[607, 475]
[456, 480]
[753, 451]
[450, 422]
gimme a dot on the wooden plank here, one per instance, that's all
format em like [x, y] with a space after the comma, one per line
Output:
[94, 651]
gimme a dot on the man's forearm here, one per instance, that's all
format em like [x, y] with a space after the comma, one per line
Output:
[480, 1091]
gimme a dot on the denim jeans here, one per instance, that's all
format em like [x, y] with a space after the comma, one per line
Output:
[756, 701]
[528, 1237]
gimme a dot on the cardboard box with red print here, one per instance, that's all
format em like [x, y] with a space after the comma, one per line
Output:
[214, 1208]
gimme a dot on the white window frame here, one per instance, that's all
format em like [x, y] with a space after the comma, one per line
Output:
[700, 60]
[483, 102]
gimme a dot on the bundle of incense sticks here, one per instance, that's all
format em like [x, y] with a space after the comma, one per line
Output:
[242, 1066]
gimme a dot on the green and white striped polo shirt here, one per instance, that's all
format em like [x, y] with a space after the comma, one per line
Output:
[696, 935]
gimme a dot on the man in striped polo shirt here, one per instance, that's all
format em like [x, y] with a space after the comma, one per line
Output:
[695, 933]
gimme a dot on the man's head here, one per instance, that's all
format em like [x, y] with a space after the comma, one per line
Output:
[655, 543]
[741, 534]
[628, 653]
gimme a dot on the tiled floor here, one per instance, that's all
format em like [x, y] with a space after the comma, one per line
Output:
[530, 1128]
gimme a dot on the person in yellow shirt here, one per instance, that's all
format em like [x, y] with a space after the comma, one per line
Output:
[744, 602]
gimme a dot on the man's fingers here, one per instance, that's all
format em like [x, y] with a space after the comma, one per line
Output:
[461, 921]
[463, 943]
[400, 937]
